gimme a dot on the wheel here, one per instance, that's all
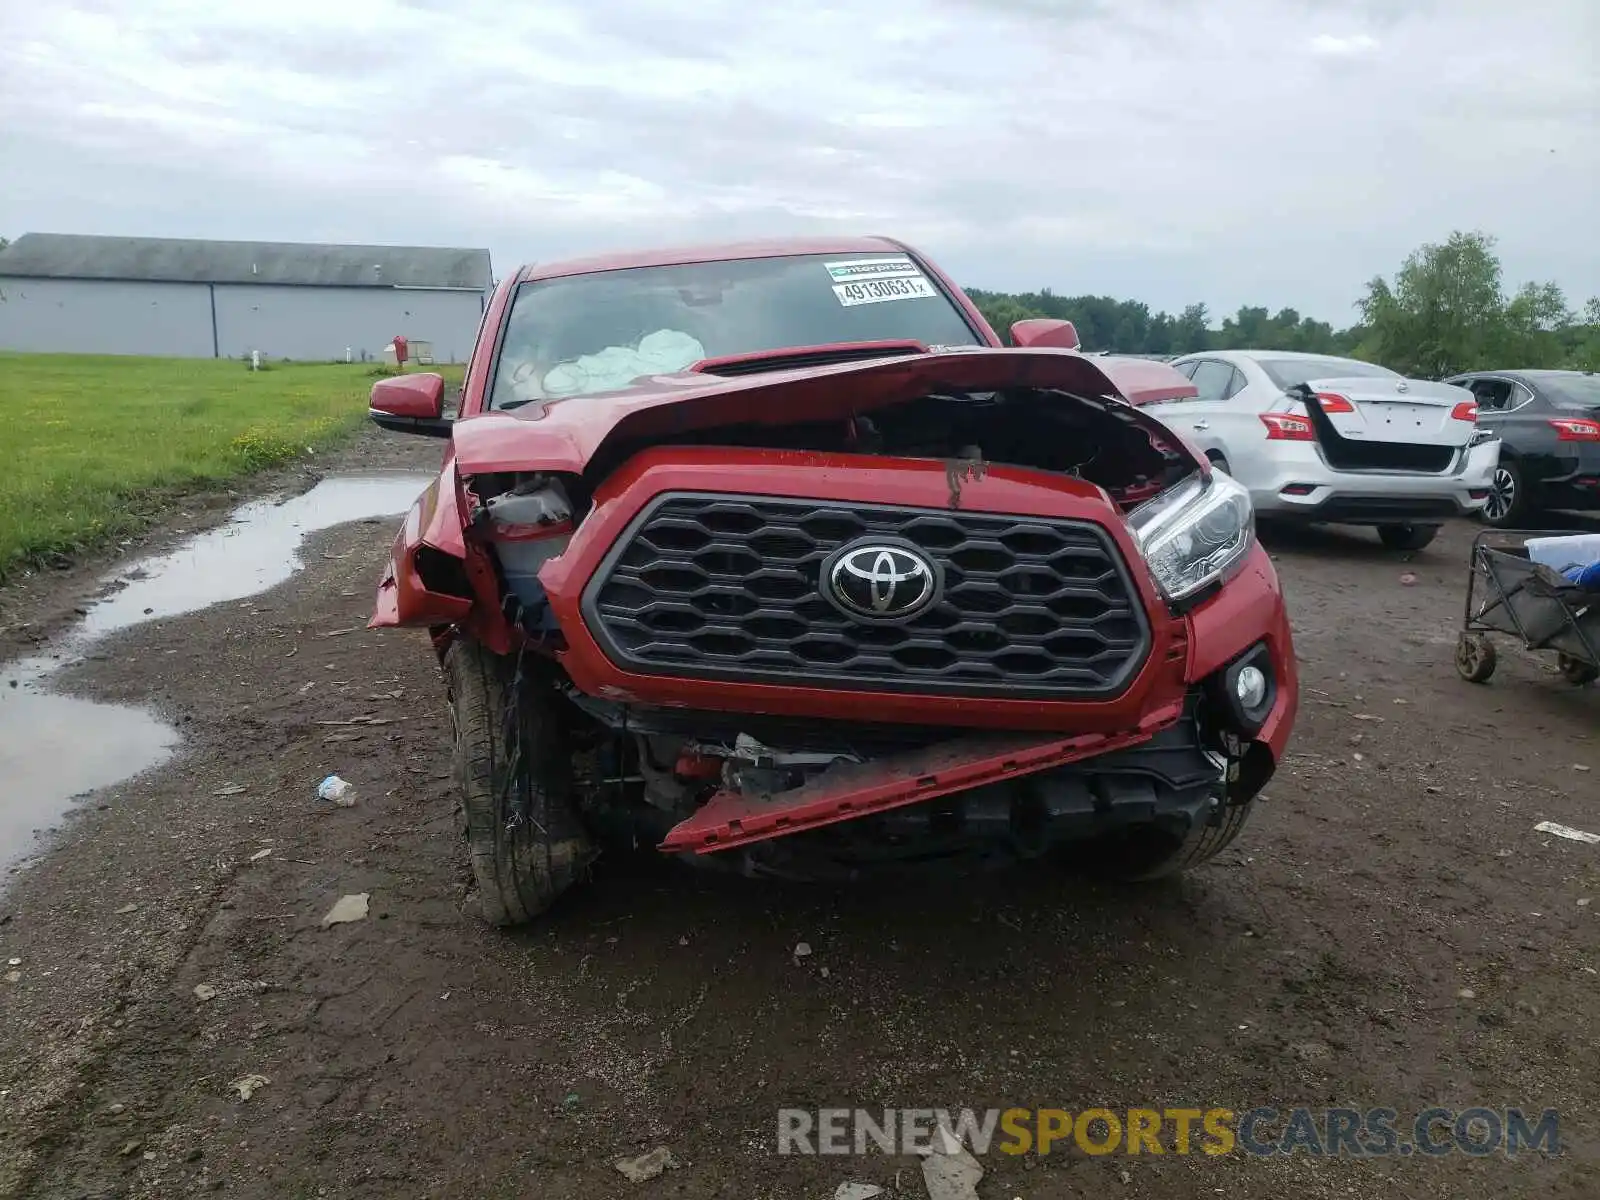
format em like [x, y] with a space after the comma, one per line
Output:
[1146, 855]
[1575, 671]
[1475, 658]
[1509, 505]
[513, 771]
[1407, 537]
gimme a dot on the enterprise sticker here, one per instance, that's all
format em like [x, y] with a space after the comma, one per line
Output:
[875, 280]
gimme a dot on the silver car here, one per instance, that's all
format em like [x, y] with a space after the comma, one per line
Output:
[1338, 440]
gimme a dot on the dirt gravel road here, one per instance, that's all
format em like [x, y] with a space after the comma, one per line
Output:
[1390, 931]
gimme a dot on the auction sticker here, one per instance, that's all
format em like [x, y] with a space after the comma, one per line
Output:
[875, 280]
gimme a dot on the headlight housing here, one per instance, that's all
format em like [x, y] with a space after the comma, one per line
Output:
[1193, 534]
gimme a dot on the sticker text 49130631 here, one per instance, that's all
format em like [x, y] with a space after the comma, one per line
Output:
[876, 291]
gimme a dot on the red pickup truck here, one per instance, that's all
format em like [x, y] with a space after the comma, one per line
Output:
[774, 556]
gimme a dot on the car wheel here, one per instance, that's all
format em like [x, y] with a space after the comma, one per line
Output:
[1475, 657]
[1508, 505]
[513, 771]
[1145, 855]
[1407, 537]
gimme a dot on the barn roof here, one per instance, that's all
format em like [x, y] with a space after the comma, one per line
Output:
[184, 260]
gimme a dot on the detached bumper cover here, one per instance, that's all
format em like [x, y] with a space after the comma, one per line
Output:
[1245, 614]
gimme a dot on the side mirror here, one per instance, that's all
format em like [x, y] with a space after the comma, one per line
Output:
[1046, 333]
[410, 404]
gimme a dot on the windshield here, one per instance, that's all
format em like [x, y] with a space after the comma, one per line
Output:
[1570, 391]
[1292, 372]
[599, 332]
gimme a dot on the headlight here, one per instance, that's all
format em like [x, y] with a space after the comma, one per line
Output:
[1194, 533]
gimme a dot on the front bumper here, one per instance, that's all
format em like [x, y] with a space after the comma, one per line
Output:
[1157, 772]
[1304, 486]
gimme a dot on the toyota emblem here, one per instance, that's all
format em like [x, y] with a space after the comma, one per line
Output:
[881, 580]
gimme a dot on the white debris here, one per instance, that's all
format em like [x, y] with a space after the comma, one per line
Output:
[347, 909]
[229, 789]
[260, 854]
[1566, 831]
[249, 1085]
[338, 790]
[857, 1191]
[126, 909]
[1467, 994]
[802, 950]
[950, 1173]
[647, 1165]
[204, 991]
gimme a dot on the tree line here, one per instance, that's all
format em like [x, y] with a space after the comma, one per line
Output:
[1446, 310]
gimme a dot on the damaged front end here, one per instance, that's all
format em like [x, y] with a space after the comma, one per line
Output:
[955, 608]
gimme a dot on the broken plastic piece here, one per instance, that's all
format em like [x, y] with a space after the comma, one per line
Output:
[338, 790]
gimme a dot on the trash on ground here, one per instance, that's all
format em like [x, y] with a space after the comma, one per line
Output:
[1408, 580]
[126, 909]
[249, 1085]
[648, 1165]
[204, 991]
[347, 909]
[229, 789]
[857, 1191]
[802, 950]
[338, 790]
[260, 854]
[949, 1172]
[1566, 831]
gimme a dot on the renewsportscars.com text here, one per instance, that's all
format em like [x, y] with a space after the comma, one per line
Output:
[1264, 1132]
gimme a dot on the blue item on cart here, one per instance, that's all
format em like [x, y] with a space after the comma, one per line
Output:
[1587, 577]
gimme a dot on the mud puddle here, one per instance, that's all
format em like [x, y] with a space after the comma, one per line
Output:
[55, 748]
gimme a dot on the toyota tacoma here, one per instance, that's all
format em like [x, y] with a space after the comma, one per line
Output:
[775, 556]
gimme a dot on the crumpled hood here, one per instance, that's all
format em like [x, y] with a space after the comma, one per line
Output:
[565, 435]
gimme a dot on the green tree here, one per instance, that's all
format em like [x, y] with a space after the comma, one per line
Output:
[1445, 312]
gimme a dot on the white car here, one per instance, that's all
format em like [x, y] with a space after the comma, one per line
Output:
[1337, 440]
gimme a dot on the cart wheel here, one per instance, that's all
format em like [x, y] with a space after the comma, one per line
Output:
[1475, 657]
[1575, 671]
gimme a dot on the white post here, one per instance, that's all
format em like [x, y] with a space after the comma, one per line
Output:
[348, 357]
[255, 360]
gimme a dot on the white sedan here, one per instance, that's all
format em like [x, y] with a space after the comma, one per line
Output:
[1337, 440]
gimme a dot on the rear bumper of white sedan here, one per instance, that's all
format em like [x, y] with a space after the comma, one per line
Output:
[1303, 486]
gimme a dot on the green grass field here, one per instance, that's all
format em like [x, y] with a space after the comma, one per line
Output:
[95, 446]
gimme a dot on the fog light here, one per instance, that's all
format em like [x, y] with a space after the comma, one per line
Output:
[1251, 687]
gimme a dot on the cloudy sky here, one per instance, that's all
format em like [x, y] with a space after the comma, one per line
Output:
[1265, 151]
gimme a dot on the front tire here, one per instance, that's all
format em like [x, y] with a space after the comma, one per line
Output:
[1407, 537]
[513, 772]
[1139, 855]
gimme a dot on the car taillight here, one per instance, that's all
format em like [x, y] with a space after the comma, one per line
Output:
[1287, 427]
[1333, 402]
[1572, 429]
[1467, 410]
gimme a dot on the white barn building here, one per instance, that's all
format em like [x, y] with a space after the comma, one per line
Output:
[70, 293]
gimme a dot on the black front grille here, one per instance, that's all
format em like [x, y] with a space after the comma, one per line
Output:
[711, 586]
